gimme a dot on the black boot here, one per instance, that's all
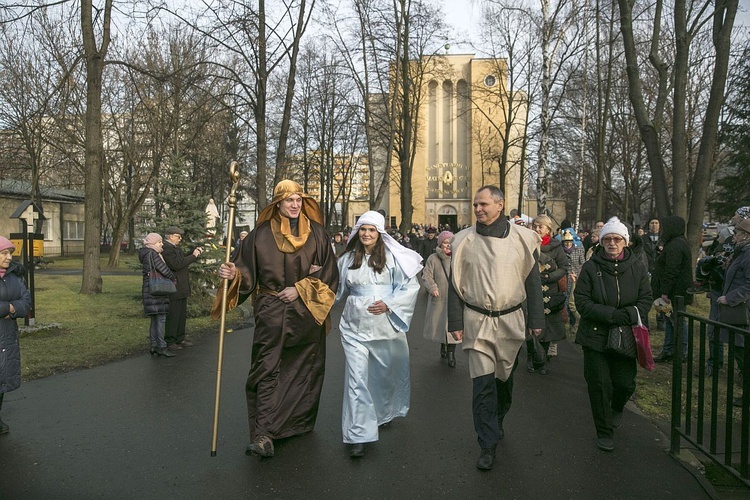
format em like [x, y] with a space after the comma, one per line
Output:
[3, 426]
[486, 459]
[451, 359]
[530, 362]
[164, 352]
[443, 350]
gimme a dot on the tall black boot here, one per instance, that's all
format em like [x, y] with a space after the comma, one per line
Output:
[443, 350]
[3, 427]
[451, 355]
[530, 356]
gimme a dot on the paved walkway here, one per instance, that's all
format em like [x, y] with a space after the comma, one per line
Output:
[141, 428]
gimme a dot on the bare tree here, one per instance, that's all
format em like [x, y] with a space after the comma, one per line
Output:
[505, 29]
[253, 44]
[723, 20]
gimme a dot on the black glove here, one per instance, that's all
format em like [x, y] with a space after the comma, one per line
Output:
[621, 317]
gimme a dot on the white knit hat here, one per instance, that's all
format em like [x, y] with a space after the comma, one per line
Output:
[614, 226]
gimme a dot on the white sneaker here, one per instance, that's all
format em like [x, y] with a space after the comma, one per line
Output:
[552, 351]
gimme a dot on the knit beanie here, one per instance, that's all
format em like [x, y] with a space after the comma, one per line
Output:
[151, 240]
[445, 235]
[5, 243]
[614, 226]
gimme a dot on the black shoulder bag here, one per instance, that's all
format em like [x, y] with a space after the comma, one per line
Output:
[620, 338]
[158, 285]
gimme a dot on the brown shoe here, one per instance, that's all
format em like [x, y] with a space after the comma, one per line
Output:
[174, 347]
[185, 343]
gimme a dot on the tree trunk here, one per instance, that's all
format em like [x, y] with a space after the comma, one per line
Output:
[541, 184]
[648, 131]
[286, 117]
[94, 145]
[679, 139]
[404, 153]
[261, 143]
[724, 15]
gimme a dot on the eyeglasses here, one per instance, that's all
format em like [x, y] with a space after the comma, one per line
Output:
[177, 236]
[613, 239]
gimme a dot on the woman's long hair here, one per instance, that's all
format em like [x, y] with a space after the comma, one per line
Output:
[377, 259]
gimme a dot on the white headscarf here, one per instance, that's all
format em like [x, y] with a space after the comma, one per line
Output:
[409, 261]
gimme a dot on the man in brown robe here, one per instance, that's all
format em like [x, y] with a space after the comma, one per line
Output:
[494, 272]
[287, 260]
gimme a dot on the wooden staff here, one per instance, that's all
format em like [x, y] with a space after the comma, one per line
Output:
[234, 174]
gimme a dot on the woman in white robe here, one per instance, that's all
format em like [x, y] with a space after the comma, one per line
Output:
[379, 277]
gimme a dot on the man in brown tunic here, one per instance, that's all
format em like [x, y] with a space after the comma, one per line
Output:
[287, 260]
[493, 272]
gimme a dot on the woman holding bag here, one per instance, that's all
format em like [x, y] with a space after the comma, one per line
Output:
[613, 283]
[156, 306]
[553, 265]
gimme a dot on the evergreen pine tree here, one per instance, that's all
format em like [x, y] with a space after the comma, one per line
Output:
[733, 182]
[184, 209]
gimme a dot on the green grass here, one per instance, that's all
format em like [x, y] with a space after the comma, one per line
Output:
[127, 262]
[654, 389]
[94, 329]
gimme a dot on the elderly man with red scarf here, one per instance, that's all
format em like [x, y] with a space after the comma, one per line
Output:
[288, 262]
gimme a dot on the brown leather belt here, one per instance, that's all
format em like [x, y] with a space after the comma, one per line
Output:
[493, 314]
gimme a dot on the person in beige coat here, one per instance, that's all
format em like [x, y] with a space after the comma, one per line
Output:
[435, 275]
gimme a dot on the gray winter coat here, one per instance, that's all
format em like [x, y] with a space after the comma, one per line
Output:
[737, 286]
[435, 277]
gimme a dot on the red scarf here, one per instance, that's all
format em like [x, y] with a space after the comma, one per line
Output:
[546, 239]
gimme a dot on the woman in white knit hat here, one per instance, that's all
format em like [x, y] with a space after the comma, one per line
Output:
[612, 290]
[379, 277]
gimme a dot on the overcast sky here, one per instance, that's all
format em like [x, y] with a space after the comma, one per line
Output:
[464, 16]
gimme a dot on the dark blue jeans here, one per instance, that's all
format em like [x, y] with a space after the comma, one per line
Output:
[156, 331]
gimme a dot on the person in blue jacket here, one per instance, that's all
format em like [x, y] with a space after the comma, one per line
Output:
[566, 226]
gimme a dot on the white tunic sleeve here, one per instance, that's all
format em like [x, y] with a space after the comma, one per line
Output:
[402, 300]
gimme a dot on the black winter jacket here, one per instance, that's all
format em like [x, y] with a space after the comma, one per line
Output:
[626, 283]
[673, 269]
[12, 291]
[652, 248]
[178, 262]
[153, 304]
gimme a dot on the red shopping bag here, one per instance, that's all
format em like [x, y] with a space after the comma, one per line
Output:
[642, 341]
